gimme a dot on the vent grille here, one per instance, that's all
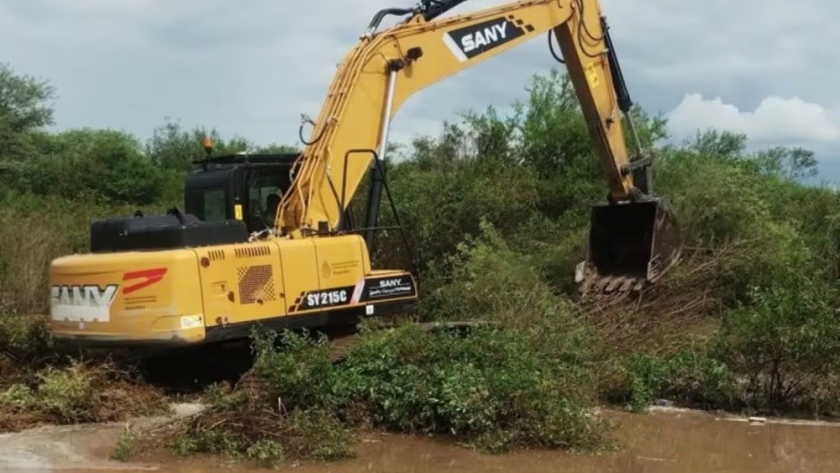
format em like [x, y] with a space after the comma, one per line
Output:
[216, 255]
[251, 251]
[256, 283]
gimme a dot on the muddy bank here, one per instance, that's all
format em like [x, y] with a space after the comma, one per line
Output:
[85, 447]
[663, 441]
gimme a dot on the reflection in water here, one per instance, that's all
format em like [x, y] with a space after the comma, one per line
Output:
[655, 443]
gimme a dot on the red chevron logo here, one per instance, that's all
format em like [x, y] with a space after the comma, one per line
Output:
[151, 276]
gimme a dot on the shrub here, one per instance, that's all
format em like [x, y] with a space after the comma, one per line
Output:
[491, 389]
[75, 394]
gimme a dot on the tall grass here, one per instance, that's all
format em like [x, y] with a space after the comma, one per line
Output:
[34, 231]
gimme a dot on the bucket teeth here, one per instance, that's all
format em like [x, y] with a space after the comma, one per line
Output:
[591, 283]
[612, 285]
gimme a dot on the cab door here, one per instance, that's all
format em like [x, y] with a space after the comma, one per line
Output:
[256, 184]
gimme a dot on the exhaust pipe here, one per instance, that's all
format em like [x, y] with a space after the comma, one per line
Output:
[631, 245]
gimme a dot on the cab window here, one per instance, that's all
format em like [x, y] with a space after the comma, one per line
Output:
[258, 194]
[215, 206]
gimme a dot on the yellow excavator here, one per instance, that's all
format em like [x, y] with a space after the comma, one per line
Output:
[214, 271]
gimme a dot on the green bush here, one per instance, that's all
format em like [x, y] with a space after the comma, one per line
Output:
[491, 281]
[74, 394]
[492, 389]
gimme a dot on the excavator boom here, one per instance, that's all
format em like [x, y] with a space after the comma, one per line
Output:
[633, 237]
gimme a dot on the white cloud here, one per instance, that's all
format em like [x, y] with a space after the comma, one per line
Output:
[776, 120]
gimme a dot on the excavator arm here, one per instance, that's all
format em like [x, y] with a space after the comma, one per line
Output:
[633, 237]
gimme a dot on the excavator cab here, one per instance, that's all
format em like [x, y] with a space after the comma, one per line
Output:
[237, 187]
[240, 187]
[631, 244]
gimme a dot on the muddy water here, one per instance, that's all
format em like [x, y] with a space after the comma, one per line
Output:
[663, 442]
[656, 443]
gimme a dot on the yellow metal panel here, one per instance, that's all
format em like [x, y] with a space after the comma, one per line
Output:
[127, 296]
[341, 260]
[241, 283]
[338, 279]
[300, 271]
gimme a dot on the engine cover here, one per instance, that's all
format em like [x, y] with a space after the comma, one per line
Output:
[162, 232]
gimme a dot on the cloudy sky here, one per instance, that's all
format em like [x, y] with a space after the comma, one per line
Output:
[251, 67]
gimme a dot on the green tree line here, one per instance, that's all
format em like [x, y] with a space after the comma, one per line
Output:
[111, 167]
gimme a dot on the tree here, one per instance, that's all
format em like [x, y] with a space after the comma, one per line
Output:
[718, 144]
[23, 113]
[104, 163]
[790, 163]
[277, 149]
[174, 148]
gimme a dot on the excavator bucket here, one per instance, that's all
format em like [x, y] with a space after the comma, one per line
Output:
[630, 246]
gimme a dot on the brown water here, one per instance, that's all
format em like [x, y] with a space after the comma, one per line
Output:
[656, 443]
[653, 443]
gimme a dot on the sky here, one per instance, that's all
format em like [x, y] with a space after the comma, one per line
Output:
[252, 67]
